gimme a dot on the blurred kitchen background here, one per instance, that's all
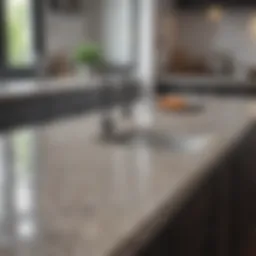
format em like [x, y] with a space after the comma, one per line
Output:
[212, 38]
[199, 38]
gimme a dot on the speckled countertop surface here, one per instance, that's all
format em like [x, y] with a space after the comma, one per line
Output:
[99, 199]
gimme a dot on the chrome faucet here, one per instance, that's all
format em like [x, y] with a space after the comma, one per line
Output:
[116, 78]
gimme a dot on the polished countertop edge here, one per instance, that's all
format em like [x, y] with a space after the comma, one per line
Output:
[205, 80]
[170, 205]
[211, 85]
[15, 89]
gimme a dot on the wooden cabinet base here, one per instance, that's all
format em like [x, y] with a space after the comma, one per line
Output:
[220, 217]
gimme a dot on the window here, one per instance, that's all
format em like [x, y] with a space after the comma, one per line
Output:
[21, 36]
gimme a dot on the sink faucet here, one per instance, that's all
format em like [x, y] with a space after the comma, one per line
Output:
[116, 78]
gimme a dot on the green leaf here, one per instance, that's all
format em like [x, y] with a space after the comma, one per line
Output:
[89, 54]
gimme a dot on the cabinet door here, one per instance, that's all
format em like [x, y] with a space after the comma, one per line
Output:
[220, 222]
[244, 198]
[188, 232]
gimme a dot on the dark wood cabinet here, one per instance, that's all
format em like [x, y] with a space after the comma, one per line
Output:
[219, 219]
[188, 231]
[244, 197]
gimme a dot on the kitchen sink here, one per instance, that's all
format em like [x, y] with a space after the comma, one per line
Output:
[190, 143]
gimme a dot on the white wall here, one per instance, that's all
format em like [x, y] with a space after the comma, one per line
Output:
[64, 32]
[232, 34]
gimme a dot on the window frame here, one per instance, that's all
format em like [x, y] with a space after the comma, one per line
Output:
[38, 41]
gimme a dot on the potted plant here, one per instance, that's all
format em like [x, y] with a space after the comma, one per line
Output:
[88, 57]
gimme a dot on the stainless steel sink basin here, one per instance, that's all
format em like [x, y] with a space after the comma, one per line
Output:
[160, 140]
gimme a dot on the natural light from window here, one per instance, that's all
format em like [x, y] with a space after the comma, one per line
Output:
[19, 24]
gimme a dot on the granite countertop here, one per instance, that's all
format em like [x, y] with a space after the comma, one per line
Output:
[100, 199]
